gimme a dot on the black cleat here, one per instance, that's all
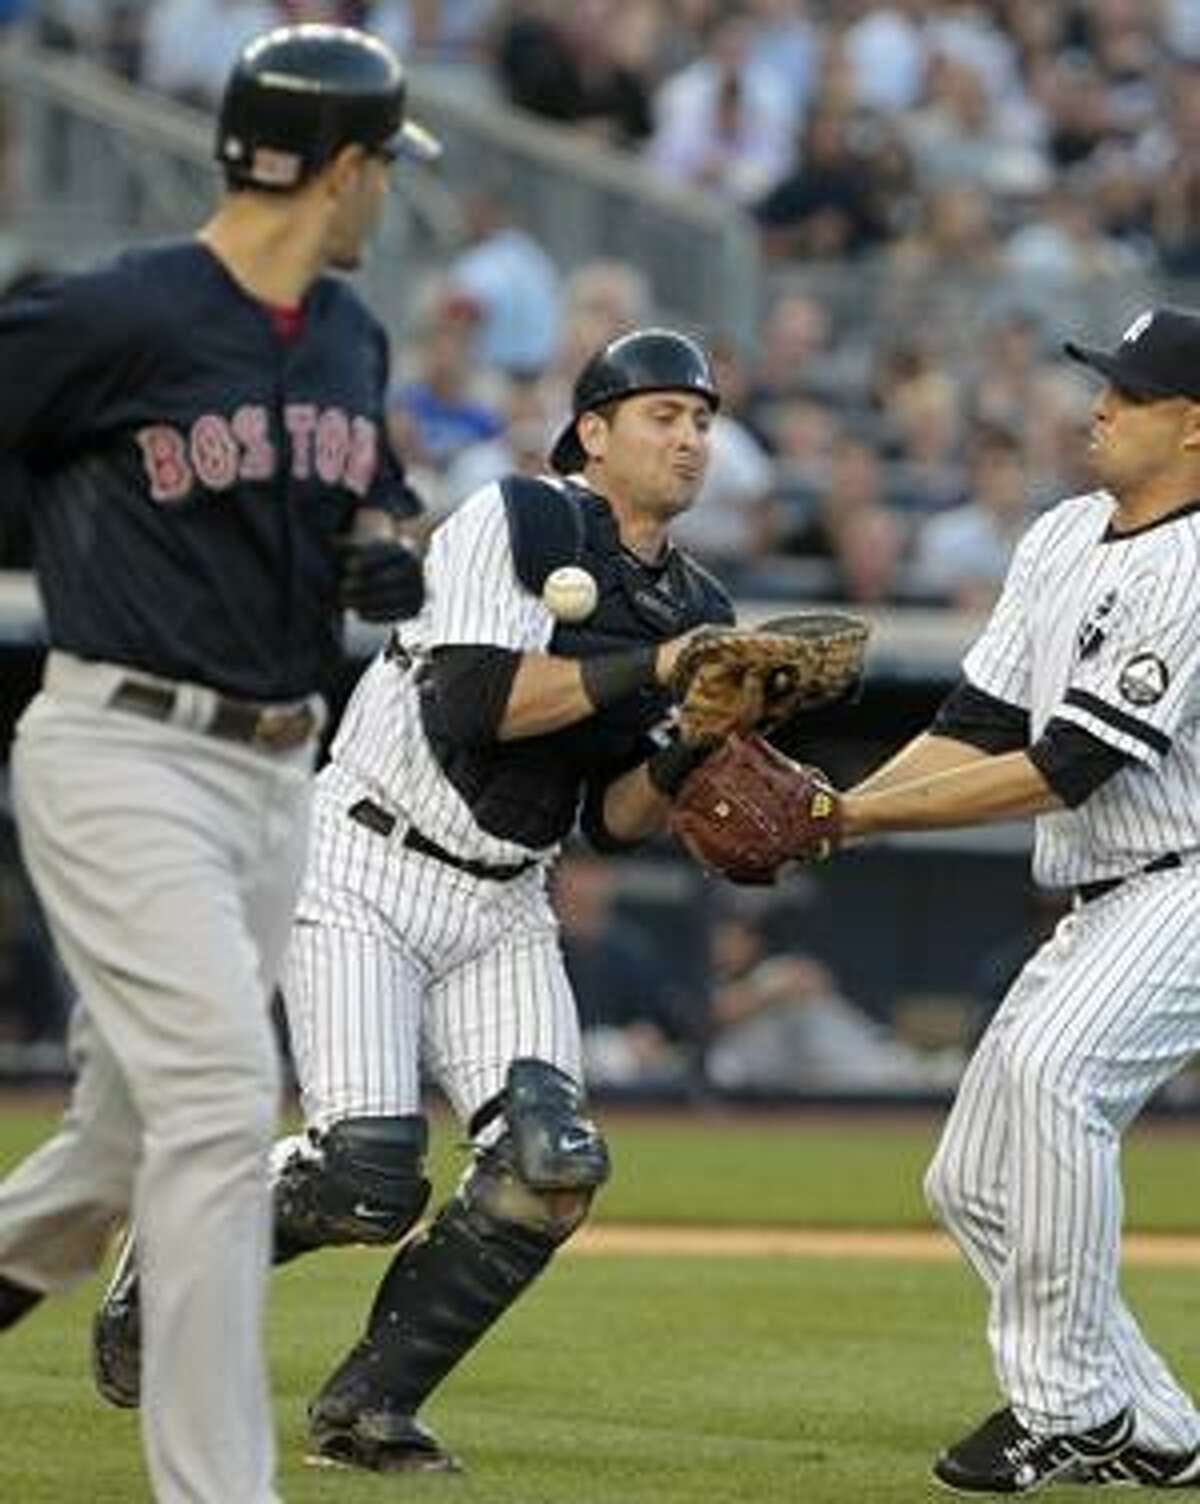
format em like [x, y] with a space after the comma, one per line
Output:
[16, 1301]
[117, 1336]
[379, 1441]
[1002, 1457]
[1141, 1467]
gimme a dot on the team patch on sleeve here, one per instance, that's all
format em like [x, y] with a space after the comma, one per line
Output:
[1143, 679]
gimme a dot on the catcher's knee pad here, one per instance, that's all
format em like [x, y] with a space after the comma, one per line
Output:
[547, 1165]
[361, 1181]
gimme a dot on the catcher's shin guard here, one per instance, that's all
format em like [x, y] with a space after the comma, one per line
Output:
[443, 1291]
[522, 1198]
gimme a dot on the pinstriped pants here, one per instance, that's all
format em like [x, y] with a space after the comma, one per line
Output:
[1027, 1175]
[398, 961]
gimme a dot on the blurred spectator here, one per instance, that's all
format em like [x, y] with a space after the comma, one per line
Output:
[954, 237]
[1170, 153]
[1057, 436]
[724, 123]
[633, 1016]
[785, 42]
[963, 554]
[511, 280]
[395, 21]
[734, 521]
[1081, 116]
[601, 299]
[442, 403]
[827, 207]
[926, 420]
[190, 45]
[1065, 245]
[564, 63]
[886, 49]
[956, 137]
[531, 417]
[1006, 359]
[780, 1023]
[865, 541]
[803, 433]
[797, 356]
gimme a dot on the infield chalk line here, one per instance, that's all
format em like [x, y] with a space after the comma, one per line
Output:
[920, 1245]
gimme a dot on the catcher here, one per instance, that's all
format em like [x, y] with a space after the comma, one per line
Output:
[744, 808]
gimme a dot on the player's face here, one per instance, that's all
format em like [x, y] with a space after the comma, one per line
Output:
[361, 189]
[655, 450]
[1134, 441]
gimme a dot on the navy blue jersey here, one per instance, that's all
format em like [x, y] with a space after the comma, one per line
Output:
[191, 468]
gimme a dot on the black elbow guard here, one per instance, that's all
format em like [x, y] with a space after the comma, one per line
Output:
[467, 690]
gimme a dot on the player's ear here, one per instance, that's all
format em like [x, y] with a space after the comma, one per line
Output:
[345, 168]
[592, 429]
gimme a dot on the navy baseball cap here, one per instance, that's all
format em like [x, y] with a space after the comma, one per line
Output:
[1158, 356]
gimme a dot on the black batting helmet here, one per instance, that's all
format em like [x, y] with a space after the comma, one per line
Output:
[298, 94]
[648, 360]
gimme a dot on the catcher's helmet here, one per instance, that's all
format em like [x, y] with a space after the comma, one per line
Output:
[648, 360]
[298, 94]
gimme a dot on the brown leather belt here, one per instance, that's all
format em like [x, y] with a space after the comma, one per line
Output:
[367, 813]
[272, 728]
[1088, 892]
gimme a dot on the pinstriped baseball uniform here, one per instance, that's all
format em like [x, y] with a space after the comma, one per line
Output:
[1103, 630]
[397, 956]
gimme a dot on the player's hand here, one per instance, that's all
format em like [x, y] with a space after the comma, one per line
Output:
[669, 651]
[382, 579]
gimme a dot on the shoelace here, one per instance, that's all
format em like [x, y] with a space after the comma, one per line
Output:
[1019, 1450]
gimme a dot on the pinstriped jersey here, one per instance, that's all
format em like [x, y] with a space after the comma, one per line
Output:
[473, 596]
[1103, 629]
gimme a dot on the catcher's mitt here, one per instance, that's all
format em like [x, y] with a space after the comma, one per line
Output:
[729, 679]
[747, 810]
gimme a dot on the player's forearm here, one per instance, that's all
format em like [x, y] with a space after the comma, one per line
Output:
[634, 809]
[983, 790]
[923, 757]
[549, 693]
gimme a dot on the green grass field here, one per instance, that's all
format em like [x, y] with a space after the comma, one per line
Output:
[642, 1380]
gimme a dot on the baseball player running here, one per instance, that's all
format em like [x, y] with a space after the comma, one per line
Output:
[1081, 705]
[528, 690]
[201, 422]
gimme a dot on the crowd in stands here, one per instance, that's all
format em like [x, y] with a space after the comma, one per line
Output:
[941, 190]
[979, 176]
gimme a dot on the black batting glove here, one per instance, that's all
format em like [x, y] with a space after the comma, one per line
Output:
[382, 580]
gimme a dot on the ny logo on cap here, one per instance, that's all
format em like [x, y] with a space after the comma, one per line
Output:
[1137, 328]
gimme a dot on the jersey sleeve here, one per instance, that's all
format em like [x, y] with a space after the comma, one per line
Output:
[475, 596]
[68, 347]
[998, 662]
[1143, 681]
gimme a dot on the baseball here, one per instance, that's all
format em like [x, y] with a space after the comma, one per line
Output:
[570, 593]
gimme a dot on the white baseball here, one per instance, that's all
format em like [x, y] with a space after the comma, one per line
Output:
[570, 593]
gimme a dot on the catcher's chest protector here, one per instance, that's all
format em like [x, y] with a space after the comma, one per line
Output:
[529, 791]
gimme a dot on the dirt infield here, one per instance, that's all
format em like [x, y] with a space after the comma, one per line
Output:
[917, 1244]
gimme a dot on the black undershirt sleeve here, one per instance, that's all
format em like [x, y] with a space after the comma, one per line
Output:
[1074, 762]
[969, 714]
[472, 685]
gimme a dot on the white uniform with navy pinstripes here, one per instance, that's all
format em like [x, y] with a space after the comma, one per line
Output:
[1102, 630]
[396, 958]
